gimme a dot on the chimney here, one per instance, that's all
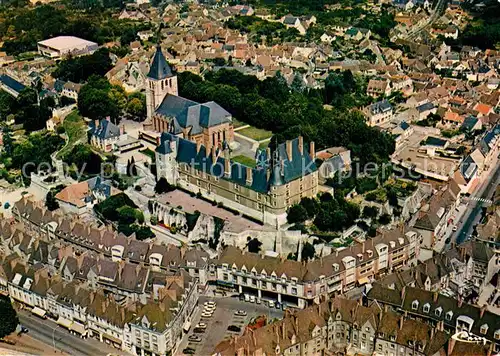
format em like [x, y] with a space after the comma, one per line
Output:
[283, 328]
[312, 150]
[208, 151]
[289, 149]
[460, 300]
[401, 321]
[268, 153]
[435, 296]
[249, 176]
[301, 145]
[432, 333]
[451, 345]
[122, 129]
[403, 291]
[462, 253]
[277, 332]
[481, 311]
[363, 246]
[122, 312]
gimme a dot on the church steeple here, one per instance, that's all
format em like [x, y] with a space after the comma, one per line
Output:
[161, 81]
[159, 66]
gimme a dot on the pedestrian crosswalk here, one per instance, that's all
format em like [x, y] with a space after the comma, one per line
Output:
[481, 200]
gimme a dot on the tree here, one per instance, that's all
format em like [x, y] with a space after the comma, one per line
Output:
[308, 252]
[370, 212]
[8, 316]
[254, 245]
[296, 214]
[163, 186]
[136, 107]
[297, 83]
[385, 219]
[95, 102]
[79, 69]
[50, 201]
[8, 142]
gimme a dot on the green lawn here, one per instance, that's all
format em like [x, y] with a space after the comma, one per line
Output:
[255, 133]
[76, 130]
[244, 160]
[237, 123]
[149, 152]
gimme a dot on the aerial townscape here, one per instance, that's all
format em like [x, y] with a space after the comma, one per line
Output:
[250, 177]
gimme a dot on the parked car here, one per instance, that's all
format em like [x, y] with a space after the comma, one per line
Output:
[271, 304]
[240, 313]
[455, 228]
[234, 328]
[199, 330]
[247, 298]
[252, 299]
[209, 309]
[206, 315]
[201, 325]
[278, 305]
[258, 301]
[189, 351]
[194, 338]
[210, 304]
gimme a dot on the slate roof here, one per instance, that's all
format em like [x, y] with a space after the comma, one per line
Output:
[189, 114]
[469, 123]
[282, 174]
[104, 130]
[11, 83]
[468, 168]
[159, 67]
[380, 107]
[425, 107]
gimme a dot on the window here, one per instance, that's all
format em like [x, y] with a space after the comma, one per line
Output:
[449, 315]
[426, 307]
[438, 311]
[414, 305]
[294, 291]
[484, 329]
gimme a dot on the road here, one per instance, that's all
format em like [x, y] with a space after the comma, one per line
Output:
[223, 317]
[473, 214]
[49, 333]
[438, 10]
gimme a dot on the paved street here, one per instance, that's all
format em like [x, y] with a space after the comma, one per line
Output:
[473, 213]
[223, 317]
[49, 333]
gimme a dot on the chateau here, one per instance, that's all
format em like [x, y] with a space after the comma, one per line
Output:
[194, 153]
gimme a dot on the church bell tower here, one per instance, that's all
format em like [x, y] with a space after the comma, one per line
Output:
[160, 82]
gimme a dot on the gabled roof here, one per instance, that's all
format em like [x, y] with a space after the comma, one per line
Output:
[105, 130]
[159, 67]
[11, 83]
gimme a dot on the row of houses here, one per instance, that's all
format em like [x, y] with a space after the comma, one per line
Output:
[342, 326]
[154, 326]
[300, 283]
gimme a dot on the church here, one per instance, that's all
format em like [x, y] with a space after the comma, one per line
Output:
[207, 124]
[194, 153]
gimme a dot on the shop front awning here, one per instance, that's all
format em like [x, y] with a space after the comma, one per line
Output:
[186, 326]
[363, 281]
[38, 311]
[111, 338]
[79, 328]
[64, 322]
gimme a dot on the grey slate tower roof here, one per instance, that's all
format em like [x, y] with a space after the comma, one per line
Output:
[159, 66]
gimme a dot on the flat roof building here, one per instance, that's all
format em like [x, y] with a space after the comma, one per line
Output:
[62, 46]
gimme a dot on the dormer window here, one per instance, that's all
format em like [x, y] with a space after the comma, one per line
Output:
[438, 311]
[449, 315]
[497, 334]
[393, 337]
[427, 307]
[484, 329]
[414, 305]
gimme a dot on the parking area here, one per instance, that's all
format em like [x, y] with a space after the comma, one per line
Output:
[223, 317]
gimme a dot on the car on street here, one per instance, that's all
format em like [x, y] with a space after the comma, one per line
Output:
[271, 304]
[210, 304]
[194, 338]
[240, 313]
[206, 315]
[234, 328]
[455, 228]
[189, 351]
[247, 298]
[258, 301]
[252, 299]
[199, 330]
[201, 325]
[209, 309]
